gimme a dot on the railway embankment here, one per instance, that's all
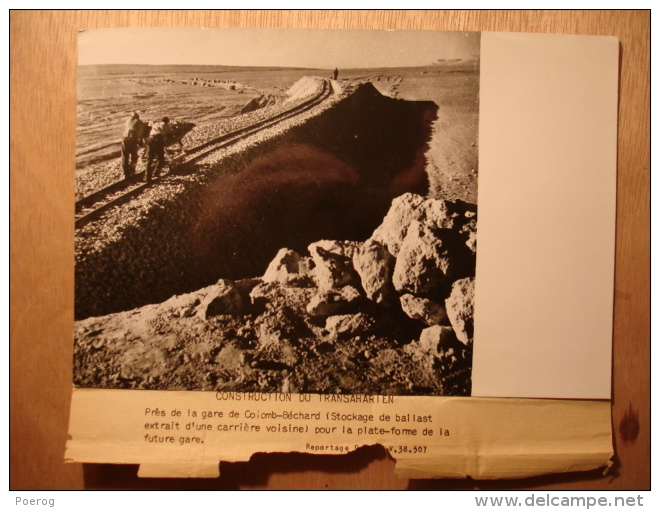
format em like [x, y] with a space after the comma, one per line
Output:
[330, 173]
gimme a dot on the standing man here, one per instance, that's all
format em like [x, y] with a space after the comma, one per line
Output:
[335, 73]
[129, 145]
[156, 148]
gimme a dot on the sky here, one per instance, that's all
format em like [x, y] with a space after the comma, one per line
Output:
[322, 49]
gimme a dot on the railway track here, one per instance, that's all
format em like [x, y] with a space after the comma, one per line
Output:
[92, 206]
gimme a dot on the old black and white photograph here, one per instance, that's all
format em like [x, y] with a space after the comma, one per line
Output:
[273, 210]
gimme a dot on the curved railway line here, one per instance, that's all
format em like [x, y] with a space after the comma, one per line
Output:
[95, 204]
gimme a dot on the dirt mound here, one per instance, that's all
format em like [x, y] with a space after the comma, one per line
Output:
[303, 88]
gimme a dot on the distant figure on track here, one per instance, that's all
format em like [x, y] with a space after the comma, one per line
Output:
[130, 141]
[156, 148]
[335, 73]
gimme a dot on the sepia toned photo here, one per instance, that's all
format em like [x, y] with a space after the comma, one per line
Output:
[276, 211]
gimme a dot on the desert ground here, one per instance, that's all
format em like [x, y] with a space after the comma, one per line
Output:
[147, 274]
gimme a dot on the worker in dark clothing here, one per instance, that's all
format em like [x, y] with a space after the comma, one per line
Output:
[335, 74]
[130, 142]
[156, 148]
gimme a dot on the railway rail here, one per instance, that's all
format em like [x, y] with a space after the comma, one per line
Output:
[92, 206]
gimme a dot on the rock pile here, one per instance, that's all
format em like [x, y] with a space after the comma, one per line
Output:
[261, 101]
[392, 314]
[421, 260]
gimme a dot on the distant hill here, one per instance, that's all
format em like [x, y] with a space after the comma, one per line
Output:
[141, 68]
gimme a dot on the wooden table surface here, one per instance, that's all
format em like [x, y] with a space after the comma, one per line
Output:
[42, 145]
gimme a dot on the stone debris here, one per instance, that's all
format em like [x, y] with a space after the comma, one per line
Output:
[436, 213]
[386, 315]
[424, 263]
[423, 309]
[333, 266]
[460, 309]
[375, 266]
[334, 301]
[222, 299]
[394, 228]
[437, 340]
[283, 267]
[348, 326]
[469, 233]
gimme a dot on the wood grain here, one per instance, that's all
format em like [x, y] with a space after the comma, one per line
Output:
[42, 145]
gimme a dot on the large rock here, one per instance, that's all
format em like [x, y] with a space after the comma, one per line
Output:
[423, 263]
[333, 267]
[350, 326]
[423, 309]
[283, 267]
[437, 340]
[375, 265]
[223, 298]
[392, 231]
[334, 302]
[344, 248]
[460, 309]
[469, 233]
[434, 213]
[438, 214]
[184, 305]
[272, 297]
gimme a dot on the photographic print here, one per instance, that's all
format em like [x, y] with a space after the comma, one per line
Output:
[277, 211]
